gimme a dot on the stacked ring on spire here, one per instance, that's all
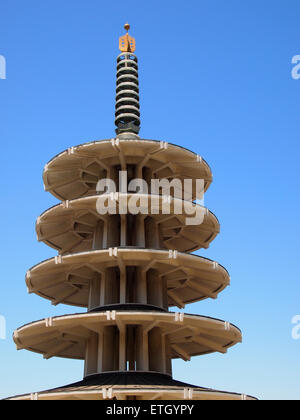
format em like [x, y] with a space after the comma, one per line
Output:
[127, 94]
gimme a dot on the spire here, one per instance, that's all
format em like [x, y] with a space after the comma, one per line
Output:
[126, 42]
[127, 92]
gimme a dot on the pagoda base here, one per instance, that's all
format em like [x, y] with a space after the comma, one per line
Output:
[132, 386]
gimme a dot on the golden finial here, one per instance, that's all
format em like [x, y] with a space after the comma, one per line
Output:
[126, 42]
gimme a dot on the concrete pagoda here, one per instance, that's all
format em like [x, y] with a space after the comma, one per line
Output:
[126, 269]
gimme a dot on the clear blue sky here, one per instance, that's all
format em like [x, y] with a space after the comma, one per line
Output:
[215, 77]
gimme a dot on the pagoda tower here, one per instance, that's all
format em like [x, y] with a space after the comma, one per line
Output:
[127, 267]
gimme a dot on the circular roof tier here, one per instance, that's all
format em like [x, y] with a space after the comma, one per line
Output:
[66, 336]
[123, 385]
[70, 226]
[66, 278]
[75, 172]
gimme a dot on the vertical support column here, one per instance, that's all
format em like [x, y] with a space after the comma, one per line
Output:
[142, 358]
[112, 287]
[113, 237]
[168, 356]
[110, 349]
[114, 175]
[98, 235]
[102, 289]
[160, 236]
[131, 285]
[91, 355]
[122, 348]
[154, 289]
[140, 231]
[152, 234]
[123, 281]
[164, 285]
[105, 233]
[123, 234]
[95, 292]
[100, 351]
[131, 347]
[141, 286]
[156, 354]
[131, 230]
[147, 175]
[164, 356]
